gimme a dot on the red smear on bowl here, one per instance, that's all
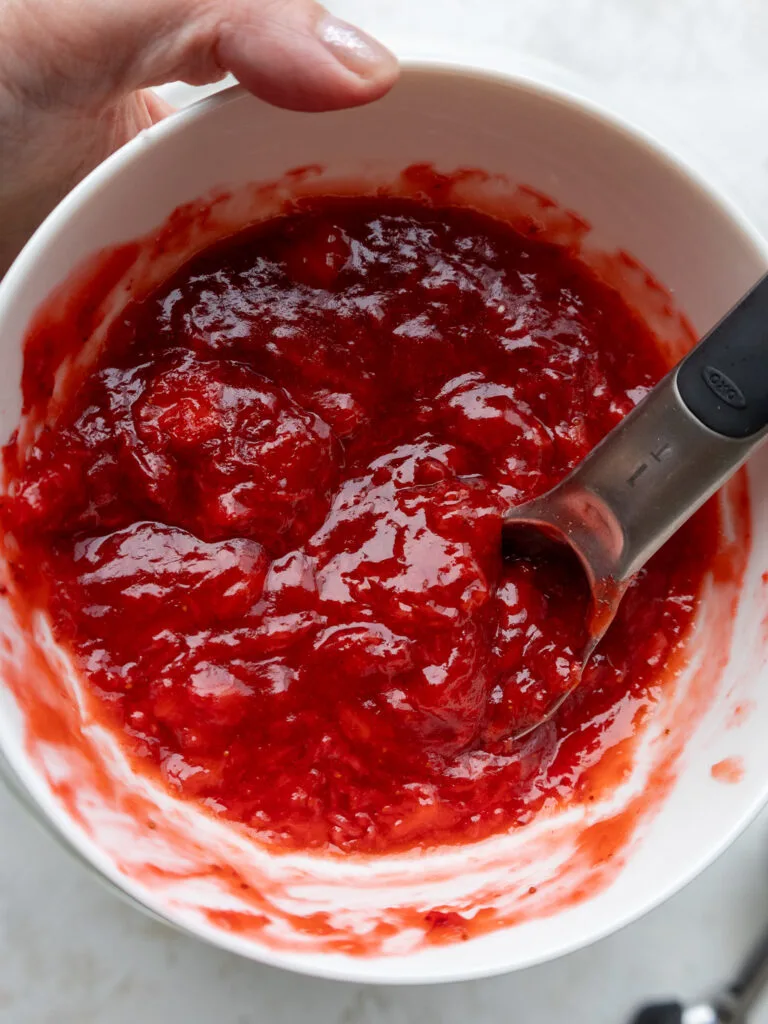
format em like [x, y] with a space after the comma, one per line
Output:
[730, 770]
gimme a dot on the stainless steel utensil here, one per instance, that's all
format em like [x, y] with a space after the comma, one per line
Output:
[655, 468]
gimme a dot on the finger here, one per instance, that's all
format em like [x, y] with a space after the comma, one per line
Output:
[289, 52]
[157, 108]
[295, 54]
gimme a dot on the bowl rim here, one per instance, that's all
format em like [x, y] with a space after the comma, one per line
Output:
[493, 70]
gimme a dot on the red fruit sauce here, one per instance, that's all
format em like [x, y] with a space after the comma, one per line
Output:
[267, 526]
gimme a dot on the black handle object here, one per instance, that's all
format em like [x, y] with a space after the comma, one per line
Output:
[730, 1006]
[738, 999]
[661, 1013]
[724, 380]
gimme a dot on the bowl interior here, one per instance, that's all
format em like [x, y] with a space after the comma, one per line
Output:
[634, 199]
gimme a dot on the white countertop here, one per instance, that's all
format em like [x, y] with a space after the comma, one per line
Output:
[695, 72]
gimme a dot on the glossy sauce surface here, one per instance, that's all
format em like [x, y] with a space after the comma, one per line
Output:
[268, 526]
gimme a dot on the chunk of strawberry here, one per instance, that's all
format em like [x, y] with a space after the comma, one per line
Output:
[249, 460]
[150, 569]
[316, 252]
[496, 421]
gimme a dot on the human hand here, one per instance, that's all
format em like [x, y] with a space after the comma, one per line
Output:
[76, 77]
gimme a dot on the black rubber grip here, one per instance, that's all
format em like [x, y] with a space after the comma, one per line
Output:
[724, 380]
[662, 1013]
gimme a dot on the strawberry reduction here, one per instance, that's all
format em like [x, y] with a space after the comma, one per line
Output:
[268, 526]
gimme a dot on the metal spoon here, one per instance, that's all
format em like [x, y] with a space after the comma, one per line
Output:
[730, 1006]
[681, 443]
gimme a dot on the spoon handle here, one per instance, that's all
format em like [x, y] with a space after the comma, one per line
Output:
[660, 1013]
[724, 380]
[741, 995]
[731, 1006]
[681, 443]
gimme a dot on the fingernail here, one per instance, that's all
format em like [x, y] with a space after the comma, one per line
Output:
[355, 49]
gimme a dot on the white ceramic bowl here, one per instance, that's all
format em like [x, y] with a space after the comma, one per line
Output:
[593, 871]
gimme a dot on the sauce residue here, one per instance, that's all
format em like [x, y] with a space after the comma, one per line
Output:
[730, 770]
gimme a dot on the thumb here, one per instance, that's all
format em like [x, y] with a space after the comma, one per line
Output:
[295, 54]
[292, 53]
[73, 75]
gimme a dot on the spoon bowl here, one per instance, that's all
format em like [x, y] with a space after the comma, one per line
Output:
[543, 530]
